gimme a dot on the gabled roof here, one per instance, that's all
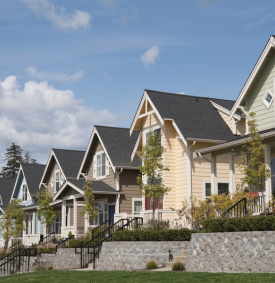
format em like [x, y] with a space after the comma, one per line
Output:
[6, 188]
[195, 117]
[33, 174]
[117, 144]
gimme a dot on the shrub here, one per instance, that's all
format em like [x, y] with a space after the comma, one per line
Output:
[154, 224]
[152, 235]
[50, 267]
[70, 234]
[42, 250]
[151, 265]
[76, 243]
[178, 266]
[249, 223]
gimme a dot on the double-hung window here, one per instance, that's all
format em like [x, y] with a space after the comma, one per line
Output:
[101, 164]
[223, 188]
[57, 180]
[207, 190]
[24, 193]
[102, 212]
[137, 205]
[157, 132]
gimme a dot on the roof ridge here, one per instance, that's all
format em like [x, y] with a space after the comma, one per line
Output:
[179, 94]
[112, 127]
[31, 164]
[68, 149]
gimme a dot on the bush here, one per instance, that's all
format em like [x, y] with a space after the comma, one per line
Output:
[42, 250]
[152, 235]
[76, 243]
[154, 224]
[50, 267]
[249, 223]
[178, 266]
[151, 265]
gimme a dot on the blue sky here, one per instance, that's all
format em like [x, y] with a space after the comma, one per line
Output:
[67, 65]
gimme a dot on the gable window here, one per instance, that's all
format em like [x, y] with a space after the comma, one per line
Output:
[223, 188]
[267, 99]
[24, 193]
[57, 180]
[157, 132]
[207, 190]
[136, 205]
[101, 164]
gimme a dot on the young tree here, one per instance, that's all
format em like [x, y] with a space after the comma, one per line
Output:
[28, 160]
[12, 224]
[88, 204]
[151, 179]
[13, 156]
[254, 166]
[45, 212]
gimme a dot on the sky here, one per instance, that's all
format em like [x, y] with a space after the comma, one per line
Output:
[68, 65]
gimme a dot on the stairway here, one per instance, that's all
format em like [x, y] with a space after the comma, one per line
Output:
[181, 258]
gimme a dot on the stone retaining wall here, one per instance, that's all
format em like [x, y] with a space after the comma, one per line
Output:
[134, 255]
[232, 252]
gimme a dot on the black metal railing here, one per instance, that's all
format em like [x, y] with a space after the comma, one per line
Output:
[64, 243]
[239, 209]
[90, 251]
[16, 242]
[47, 239]
[11, 254]
[20, 263]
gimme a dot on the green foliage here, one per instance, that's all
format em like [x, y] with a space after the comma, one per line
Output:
[153, 235]
[45, 210]
[76, 243]
[154, 224]
[152, 170]
[178, 266]
[70, 234]
[88, 204]
[151, 265]
[45, 250]
[255, 169]
[12, 220]
[13, 156]
[249, 223]
[50, 267]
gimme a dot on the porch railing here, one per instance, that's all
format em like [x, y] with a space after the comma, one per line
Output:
[239, 209]
[50, 237]
[19, 242]
[64, 243]
[11, 254]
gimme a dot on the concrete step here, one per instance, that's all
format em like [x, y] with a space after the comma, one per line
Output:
[184, 253]
[182, 259]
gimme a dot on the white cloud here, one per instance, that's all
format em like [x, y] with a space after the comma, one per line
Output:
[54, 76]
[58, 17]
[182, 92]
[40, 117]
[150, 56]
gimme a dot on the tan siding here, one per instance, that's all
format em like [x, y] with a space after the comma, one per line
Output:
[53, 168]
[80, 220]
[222, 166]
[241, 127]
[68, 192]
[226, 119]
[129, 186]
[238, 174]
[72, 216]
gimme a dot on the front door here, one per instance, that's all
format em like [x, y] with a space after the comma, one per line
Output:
[112, 213]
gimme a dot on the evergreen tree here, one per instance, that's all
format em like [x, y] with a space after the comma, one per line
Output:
[28, 160]
[13, 156]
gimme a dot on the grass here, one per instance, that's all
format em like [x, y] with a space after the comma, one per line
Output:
[55, 276]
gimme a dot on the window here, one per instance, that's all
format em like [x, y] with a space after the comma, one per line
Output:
[31, 231]
[57, 180]
[24, 193]
[267, 99]
[149, 203]
[137, 205]
[158, 135]
[35, 223]
[57, 224]
[102, 210]
[27, 224]
[101, 164]
[223, 188]
[207, 188]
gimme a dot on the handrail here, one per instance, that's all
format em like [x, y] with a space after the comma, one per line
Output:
[63, 242]
[15, 251]
[15, 244]
[241, 208]
[48, 236]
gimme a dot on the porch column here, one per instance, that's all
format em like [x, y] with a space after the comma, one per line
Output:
[232, 173]
[117, 204]
[86, 223]
[63, 218]
[38, 228]
[75, 217]
[213, 175]
[268, 192]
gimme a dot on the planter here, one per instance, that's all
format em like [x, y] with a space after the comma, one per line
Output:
[253, 194]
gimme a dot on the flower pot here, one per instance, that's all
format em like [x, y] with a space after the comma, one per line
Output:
[253, 194]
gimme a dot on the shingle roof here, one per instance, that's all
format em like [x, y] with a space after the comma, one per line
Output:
[119, 145]
[195, 117]
[69, 160]
[227, 104]
[33, 174]
[97, 186]
[6, 188]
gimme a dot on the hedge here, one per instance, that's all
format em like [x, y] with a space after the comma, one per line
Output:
[153, 235]
[249, 223]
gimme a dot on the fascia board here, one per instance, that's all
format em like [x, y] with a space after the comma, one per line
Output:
[252, 75]
[17, 177]
[46, 168]
[67, 183]
[137, 113]
[86, 153]
[205, 140]
[178, 131]
[225, 111]
[136, 146]
[154, 108]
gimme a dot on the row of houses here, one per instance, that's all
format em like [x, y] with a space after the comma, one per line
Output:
[202, 137]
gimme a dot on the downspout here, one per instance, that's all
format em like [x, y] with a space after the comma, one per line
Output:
[189, 171]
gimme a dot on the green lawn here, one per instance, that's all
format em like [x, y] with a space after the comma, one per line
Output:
[135, 276]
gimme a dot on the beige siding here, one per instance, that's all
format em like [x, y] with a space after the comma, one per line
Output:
[110, 179]
[265, 117]
[241, 127]
[53, 168]
[222, 167]
[226, 119]
[238, 174]
[80, 220]
[129, 186]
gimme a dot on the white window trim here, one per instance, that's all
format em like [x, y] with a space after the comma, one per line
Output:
[148, 130]
[103, 199]
[55, 180]
[104, 176]
[133, 205]
[266, 104]
[224, 182]
[206, 181]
